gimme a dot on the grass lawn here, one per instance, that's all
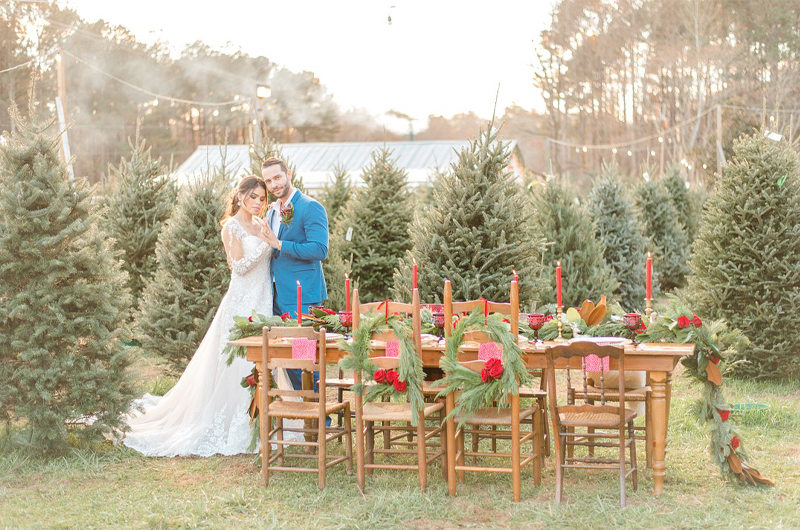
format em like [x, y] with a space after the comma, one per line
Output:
[115, 487]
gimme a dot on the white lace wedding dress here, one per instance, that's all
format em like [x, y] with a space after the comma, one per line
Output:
[206, 412]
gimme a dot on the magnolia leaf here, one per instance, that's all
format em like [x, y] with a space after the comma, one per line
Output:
[586, 309]
[735, 463]
[713, 373]
[573, 315]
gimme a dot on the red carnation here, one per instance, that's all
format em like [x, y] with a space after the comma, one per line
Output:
[286, 316]
[735, 442]
[400, 386]
[250, 319]
[724, 414]
[495, 368]
[380, 376]
[328, 311]
[548, 318]
[714, 360]
[485, 375]
[696, 322]
[391, 377]
[684, 322]
[251, 380]
[507, 321]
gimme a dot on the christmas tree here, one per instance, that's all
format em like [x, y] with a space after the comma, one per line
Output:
[665, 230]
[570, 233]
[140, 200]
[619, 231]
[745, 267]
[179, 303]
[336, 194]
[64, 298]
[477, 233]
[686, 203]
[377, 219]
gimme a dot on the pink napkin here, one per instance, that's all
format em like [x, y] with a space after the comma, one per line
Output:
[305, 349]
[593, 363]
[393, 348]
[490, 350]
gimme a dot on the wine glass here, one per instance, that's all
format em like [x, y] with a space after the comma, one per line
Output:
[535, 322]
[632, 321]
[346, 320]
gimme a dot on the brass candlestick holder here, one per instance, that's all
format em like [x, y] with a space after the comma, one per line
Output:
[559, 323]
[648, 308]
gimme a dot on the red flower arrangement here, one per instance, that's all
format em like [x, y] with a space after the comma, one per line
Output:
[390, 377]
[492, 370]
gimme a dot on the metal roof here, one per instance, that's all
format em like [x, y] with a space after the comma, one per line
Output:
[314, 161]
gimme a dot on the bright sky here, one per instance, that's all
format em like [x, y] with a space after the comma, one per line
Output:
[437, 57]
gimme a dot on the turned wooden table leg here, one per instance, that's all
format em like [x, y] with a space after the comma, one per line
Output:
[451, 446]
[660, 414]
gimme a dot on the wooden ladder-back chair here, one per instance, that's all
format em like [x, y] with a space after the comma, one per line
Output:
[511, 418]
[511, 309]
[379, 416]
[602, 422]
[310, 358]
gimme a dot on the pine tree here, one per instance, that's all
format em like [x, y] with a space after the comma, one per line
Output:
[668, 239]
[570, 234]
[338, 191]
[379, 215]
[478, 231]
[63, 298]
[619, 231]
[139, 203]
[270, 148]
[685, 202]
[179, 303]
[745, 267]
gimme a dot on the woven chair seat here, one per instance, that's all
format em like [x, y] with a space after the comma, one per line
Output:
[605, 419]
[493, 416]
[593, 393]
[387, 411]
[301, 409]
[528, 391]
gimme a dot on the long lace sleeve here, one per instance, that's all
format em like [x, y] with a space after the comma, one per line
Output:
[236, 235]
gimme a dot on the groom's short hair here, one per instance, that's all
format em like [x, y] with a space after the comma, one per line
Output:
[274, 161]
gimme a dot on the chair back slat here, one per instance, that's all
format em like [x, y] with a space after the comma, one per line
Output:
[386, 363]
[510, 308]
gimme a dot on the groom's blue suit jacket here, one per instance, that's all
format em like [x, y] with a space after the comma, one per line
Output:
[304, 246]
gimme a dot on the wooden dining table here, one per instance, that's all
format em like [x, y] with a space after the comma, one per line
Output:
[657, 359]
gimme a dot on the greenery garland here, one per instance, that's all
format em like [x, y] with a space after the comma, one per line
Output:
[713, 342]
[475, 394]
[357, 359]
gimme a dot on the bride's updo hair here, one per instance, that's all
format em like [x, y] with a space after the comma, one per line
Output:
[247, 184]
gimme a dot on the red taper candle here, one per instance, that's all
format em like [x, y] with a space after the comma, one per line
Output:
[649, 281]
[414, 275]
[346, 292]
[558, 284]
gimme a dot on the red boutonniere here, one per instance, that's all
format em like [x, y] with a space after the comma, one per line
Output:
[492, 370]
[287, 212]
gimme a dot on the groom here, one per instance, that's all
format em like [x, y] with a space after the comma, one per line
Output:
[298, 231]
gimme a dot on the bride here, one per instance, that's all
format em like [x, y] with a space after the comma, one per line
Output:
[206, 412]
